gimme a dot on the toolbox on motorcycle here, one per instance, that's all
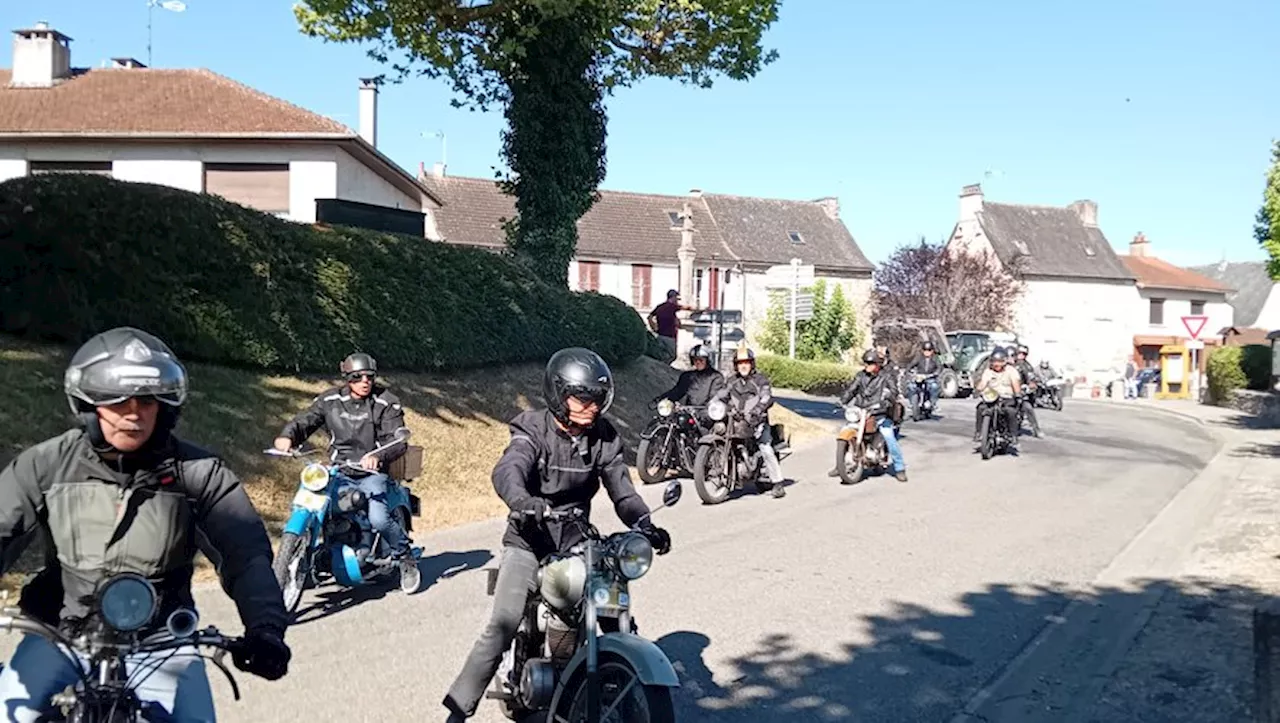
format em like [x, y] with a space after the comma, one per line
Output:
[408, 466]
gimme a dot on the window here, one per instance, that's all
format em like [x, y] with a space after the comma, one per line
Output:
[588, 276]
[697, 286]
[1157, 312]
[263, 186]
[1197, 308]
[795, 237]
[641, 285]
[676, 221]
[39, 168]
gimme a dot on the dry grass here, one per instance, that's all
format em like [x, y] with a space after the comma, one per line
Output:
[460, 420]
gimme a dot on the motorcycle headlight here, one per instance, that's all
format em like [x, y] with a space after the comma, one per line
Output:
[990, 395]
[634, 556]
[127, 602]
[717, 410]
[852, 414]
[315, 477]
[666, 407]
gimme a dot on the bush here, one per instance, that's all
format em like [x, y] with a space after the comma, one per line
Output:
[1224, 372]
[223, 283]
[810, 377]
[1255, 362]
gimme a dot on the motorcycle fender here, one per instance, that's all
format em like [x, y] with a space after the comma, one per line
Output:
[345, 566]
[711, 438]
[645, 657]
[848, 434]
[299, 521]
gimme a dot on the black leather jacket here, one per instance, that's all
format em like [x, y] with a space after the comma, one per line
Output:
[752, 395]
[146, 513]
[1027, 375]
[875, 393]
[927, 365]
[357, 426]
[696, 388]
[543, 461]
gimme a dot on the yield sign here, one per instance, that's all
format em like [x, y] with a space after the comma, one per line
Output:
[1195, 325]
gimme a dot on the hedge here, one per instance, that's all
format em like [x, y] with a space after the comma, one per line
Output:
[1238, 367]
[811, 377]
[227, 284]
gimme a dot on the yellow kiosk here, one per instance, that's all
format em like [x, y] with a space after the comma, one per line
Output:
[1175, 372]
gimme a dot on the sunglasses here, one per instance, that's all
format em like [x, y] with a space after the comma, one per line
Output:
[360, 377]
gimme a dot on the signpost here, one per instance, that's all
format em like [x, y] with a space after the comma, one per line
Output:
[1194, 325]
[793, 276]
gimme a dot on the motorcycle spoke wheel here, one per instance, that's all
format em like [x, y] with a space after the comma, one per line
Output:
[623, 699]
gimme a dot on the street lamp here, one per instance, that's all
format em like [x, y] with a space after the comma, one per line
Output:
[173, 6]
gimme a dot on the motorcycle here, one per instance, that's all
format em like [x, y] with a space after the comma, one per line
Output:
[577, 652]
[1049, 395]
[328, 532]
[994, 431]
[729, 457]
[669, 443]
[867, 449]
[99, 652]
[923, 408]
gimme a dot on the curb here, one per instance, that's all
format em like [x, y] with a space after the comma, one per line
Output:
[1144, 408]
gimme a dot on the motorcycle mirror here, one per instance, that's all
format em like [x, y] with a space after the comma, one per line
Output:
[402, 434]
[672, 493]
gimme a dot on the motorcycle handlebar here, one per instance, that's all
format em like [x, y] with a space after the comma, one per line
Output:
[518, 515]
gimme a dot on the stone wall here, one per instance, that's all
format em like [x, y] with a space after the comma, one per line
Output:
[1264, 407]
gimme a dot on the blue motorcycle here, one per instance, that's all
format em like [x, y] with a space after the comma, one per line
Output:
[328, 532]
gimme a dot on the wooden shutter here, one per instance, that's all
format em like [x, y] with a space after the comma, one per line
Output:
[641, 285]
[715, 289]
[264, 186]
[588, 276]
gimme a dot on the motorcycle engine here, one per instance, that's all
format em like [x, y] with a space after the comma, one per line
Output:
[537, 683]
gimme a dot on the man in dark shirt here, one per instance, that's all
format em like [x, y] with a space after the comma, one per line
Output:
[664, 321]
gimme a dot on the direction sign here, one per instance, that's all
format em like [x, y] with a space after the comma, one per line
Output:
[1195, 325]
[1194, 344]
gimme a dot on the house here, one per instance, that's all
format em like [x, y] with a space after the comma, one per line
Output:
[196, 130]
[1079, 295]
[1169, 293]
[1253, 297]
[633, 245]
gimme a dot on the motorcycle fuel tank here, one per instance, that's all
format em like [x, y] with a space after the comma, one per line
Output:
[563, 581]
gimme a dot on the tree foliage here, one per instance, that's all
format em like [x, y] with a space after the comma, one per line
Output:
[831, 332]
[963, 290]
[549, 63]
[1267, 228]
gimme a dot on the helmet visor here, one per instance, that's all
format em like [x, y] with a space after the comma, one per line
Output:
[112, 383]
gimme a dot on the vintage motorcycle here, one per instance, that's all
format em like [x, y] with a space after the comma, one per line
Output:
[867, 450]
[576, 653]
[1049, 394]
[669, 443]
[729, 457]
[99, 651]
[923, 408]
[994, 431]
[328, 532]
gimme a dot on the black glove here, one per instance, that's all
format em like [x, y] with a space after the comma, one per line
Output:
[264, 654]
[537, 506]
[658, 537]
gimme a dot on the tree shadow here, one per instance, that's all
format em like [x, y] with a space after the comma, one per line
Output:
[1192, 660]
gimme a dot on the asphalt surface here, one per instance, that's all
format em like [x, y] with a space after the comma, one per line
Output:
[878, 602]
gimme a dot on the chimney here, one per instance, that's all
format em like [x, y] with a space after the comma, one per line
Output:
[126, 63]
[831, 206]
[1087, 211]
[437, 169]
[369, 111]
[41, 56]
[970, 201]
[695, 193]
[1140, 246]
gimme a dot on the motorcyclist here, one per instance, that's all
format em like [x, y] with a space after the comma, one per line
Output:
[126, 389]
[557, 459]
[1005, 381]
[360, 416]
[927, 365]
[749, 396]
[872, 389]
[1030, 380]
[696, 387]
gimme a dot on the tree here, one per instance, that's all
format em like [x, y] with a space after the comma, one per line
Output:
[827, 336]
[1267, 229]
[963, 290]
[548, 63]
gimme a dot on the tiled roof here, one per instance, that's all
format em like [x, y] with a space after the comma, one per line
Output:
[1053, 240]
[153, 101]
[626, 225]
[1251, 283]
[1157, 273]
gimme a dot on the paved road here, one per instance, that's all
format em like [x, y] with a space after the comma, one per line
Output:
[879, 602]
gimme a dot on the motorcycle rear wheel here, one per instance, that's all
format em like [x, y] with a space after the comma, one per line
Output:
[643, 703]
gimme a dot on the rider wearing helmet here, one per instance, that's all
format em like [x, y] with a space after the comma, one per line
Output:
[360, 416]
[1007, 385]
[1029, 379]
[749, 396]
[927, 365]
[875, 392]
[696, 387]
[126, 389]
[557, 459]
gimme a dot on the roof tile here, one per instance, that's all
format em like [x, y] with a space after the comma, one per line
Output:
[1054, 241]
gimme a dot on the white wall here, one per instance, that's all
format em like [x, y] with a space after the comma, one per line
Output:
[1177, 305]
[1084, 329]
[358, 182]
[11, 167]
[308, 181]
[185, 174]
[615, 280]
[1269, 317]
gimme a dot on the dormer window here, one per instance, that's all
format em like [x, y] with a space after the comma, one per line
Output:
[1022, 247]
[795, 237]
[674, 217]
[1089, 252]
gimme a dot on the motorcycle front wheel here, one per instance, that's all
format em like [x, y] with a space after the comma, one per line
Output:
[651, 458]
[623, 699]
[708, 474]
[988, 437]
[292, 568]
[851, 466]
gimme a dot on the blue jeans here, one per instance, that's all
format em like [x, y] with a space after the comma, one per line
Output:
[891, 441]
[374, 487]
[38, 670]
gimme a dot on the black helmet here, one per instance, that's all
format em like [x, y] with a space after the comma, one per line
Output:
[871, 356]
[1011, 350]
[576, 372]
[699, 351]
[927, 346]
[999, 355]
[1044, 363]
[358, 362]
[122, 363]
[1022, 349]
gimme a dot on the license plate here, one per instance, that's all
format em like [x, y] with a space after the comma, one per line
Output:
[609, 596]
[313, 501]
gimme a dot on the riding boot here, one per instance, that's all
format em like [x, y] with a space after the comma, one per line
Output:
[842, 448]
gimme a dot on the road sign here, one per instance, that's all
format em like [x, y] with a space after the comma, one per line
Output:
[1195, 325]
[804, 307]
[1194, 344]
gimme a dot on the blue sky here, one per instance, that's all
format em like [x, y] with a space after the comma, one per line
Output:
[1162, 111]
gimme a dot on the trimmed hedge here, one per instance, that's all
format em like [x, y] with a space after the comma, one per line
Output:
[224, 283]
[1238, 367]
[810, 377]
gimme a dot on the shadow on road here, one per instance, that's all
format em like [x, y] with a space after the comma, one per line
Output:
[924, 665]
[335, 599]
